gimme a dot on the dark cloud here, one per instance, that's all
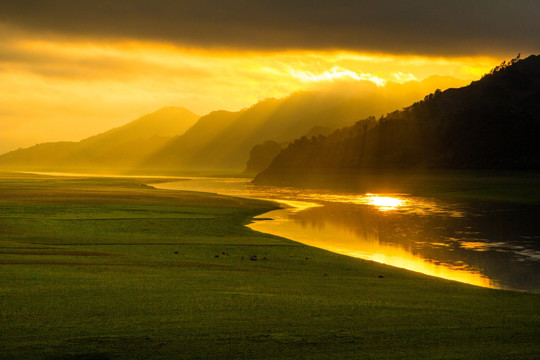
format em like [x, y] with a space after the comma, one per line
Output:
[446, 27]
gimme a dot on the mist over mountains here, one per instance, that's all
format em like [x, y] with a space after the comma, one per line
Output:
[118, 148]
[493, 123]
[174, 140]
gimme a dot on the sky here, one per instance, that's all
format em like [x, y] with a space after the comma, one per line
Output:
[72, 69]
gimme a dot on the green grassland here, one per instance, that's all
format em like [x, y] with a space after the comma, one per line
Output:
[112, 269]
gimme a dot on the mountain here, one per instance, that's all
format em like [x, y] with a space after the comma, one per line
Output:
[119, 148]
[262, 155]
[223, 140]
[174, 140]
[494, 123]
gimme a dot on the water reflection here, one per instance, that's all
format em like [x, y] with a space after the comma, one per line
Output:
[364, 232]
[364, 237]
[384, 203]
[486, 244]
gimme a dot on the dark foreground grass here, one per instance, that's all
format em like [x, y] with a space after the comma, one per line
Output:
[110, 269]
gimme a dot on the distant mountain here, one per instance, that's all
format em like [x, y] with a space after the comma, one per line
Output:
[493, 123]
[117, 149]
[262, 155]
[223, 140]
[174, 140]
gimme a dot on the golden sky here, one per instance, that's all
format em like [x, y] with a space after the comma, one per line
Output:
[70, 70]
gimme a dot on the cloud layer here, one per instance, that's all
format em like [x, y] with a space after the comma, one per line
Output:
[443, 27]
[73, 68]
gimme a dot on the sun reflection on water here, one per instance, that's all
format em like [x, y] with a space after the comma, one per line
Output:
[384, 203]
[422, 234]
[335, 237]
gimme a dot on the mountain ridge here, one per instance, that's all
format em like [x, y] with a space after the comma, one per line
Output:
[493, 123]
[110, 149]
[279, 120]
[221, 140]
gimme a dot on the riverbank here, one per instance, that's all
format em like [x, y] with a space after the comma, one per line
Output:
[112, 269]
[487, 242]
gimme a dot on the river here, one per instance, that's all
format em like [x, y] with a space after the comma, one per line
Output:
[482, 243]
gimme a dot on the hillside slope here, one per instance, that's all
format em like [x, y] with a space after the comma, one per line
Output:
[493, 123]
[120, 147]
[223, 140]
[173, 140]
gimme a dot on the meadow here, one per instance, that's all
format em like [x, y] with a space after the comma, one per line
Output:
[104, 268]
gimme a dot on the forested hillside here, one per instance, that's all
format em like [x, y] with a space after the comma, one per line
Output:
[493, 123]
[223, 140]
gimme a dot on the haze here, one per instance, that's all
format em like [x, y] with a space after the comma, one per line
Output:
[69, 70]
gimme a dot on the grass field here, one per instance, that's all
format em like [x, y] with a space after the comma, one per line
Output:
[111, 269]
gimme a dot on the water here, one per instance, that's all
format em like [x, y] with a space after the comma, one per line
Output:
[482, 243]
